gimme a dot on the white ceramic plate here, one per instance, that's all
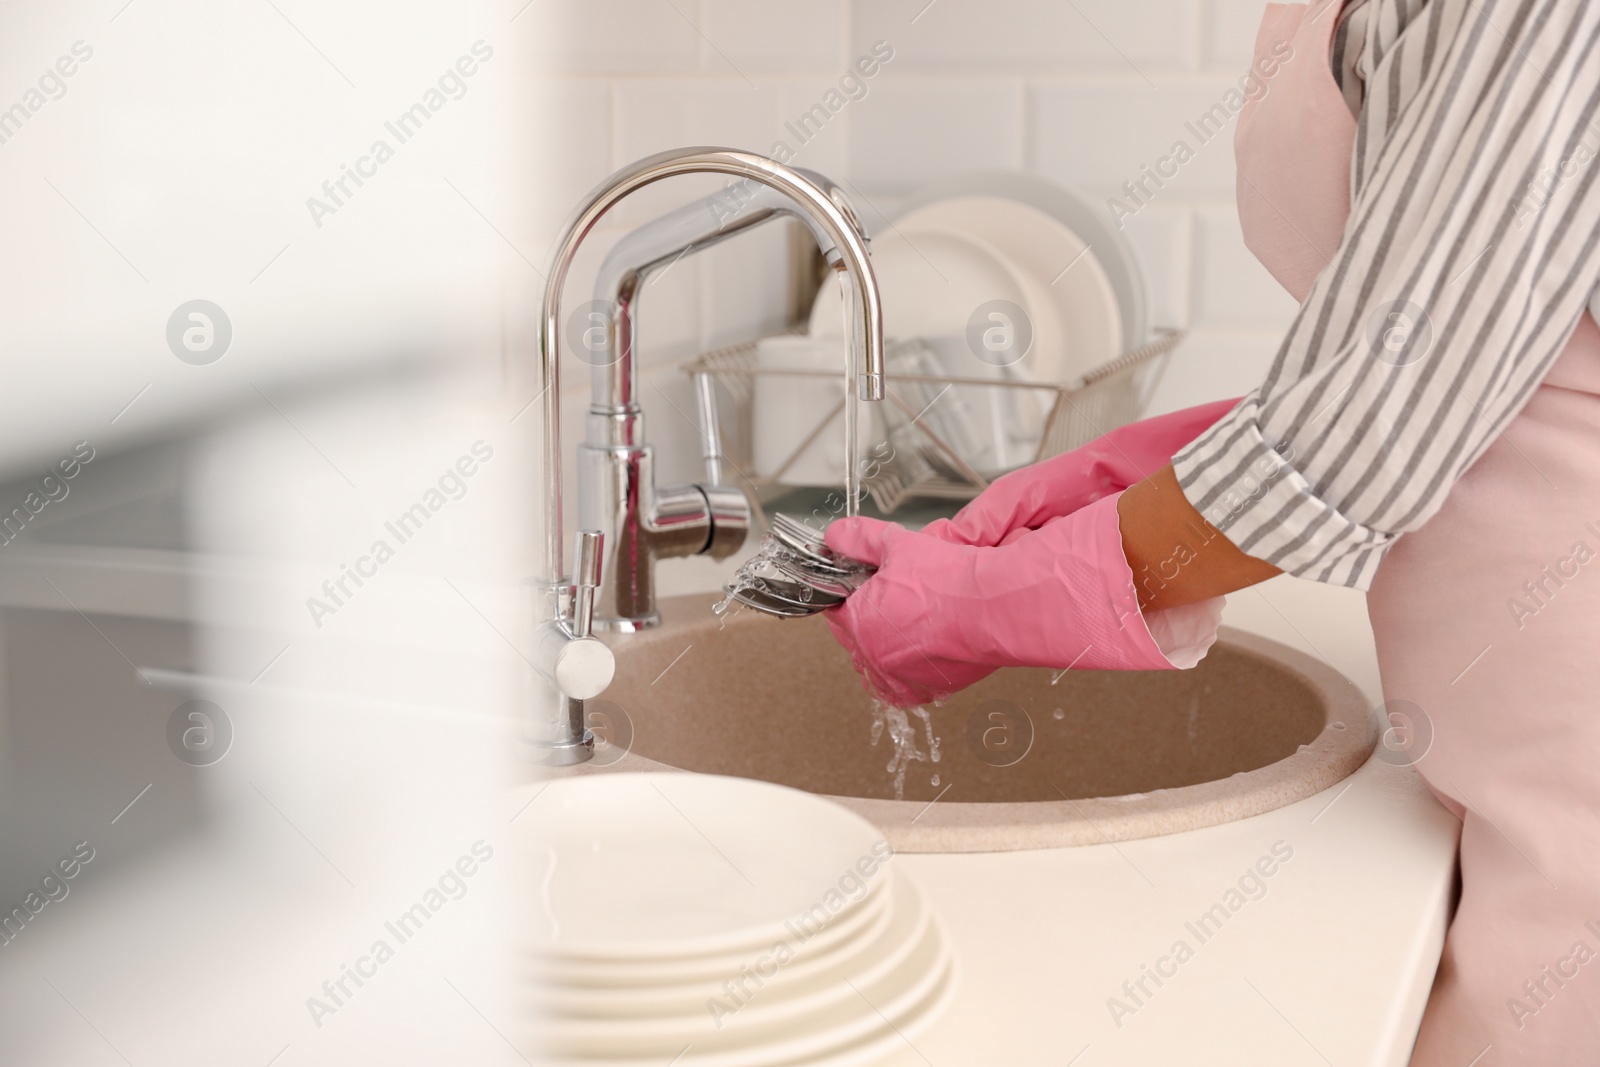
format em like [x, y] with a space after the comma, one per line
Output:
[795, 990]
[932, 283]
[1079, 303]
[617, 980]
[672, 866]
[1082, 215]
[832, 1026]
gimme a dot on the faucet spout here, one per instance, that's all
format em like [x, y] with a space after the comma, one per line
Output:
[657, 245]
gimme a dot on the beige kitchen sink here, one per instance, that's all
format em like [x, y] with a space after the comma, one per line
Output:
[1027, 758]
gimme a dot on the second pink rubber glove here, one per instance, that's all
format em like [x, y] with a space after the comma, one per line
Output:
[939, 616]
[1028, 498]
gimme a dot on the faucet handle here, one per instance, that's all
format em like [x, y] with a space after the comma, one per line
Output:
[586, 580]
[584, 665]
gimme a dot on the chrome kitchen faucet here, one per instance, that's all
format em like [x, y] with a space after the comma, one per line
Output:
[638, 523]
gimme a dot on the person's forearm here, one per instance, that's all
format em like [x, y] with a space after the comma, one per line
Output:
[1176, 556]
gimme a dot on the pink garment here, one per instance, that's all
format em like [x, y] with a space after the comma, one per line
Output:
[1516, 749]
[1293, 147]
[1487, 620]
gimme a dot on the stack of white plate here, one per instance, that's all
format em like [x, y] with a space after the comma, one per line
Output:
[703, 921]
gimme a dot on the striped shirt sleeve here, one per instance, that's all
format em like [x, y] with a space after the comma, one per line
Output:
[1452, 292]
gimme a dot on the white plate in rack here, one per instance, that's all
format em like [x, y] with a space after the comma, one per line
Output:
[930, 283]
[933, 281]
[1083, 215]
[1078, 300]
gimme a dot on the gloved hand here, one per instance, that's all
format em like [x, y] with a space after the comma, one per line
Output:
[939, 616]
[1028, 498]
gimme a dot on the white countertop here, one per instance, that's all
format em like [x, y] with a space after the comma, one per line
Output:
[1330, 963]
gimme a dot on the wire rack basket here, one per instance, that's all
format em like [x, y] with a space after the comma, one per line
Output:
[911, 458]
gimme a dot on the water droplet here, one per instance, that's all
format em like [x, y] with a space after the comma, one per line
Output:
[1059, 713]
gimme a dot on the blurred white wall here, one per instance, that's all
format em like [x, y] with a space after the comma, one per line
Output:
[176, 163]
[373, 365]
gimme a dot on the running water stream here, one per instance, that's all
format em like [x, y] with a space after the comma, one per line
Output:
[903, 741]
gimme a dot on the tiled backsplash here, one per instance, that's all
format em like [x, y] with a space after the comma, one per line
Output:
[1085, 92]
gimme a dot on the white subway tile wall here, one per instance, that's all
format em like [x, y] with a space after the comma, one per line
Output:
[1034, 36]
[916, 129]
[1087, 93]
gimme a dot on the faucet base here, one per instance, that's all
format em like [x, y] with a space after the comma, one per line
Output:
[628, 626]
[565, 753]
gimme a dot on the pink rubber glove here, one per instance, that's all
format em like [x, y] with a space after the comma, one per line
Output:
[939, 616]
[1028, 498]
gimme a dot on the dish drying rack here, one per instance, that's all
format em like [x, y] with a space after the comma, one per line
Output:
[920, 463]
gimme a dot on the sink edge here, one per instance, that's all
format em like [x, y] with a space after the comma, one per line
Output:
[1000, 826]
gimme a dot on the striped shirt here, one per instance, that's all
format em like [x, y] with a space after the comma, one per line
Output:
[1447, 300]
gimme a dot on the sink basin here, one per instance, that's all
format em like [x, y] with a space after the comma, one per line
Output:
[1028, 758]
